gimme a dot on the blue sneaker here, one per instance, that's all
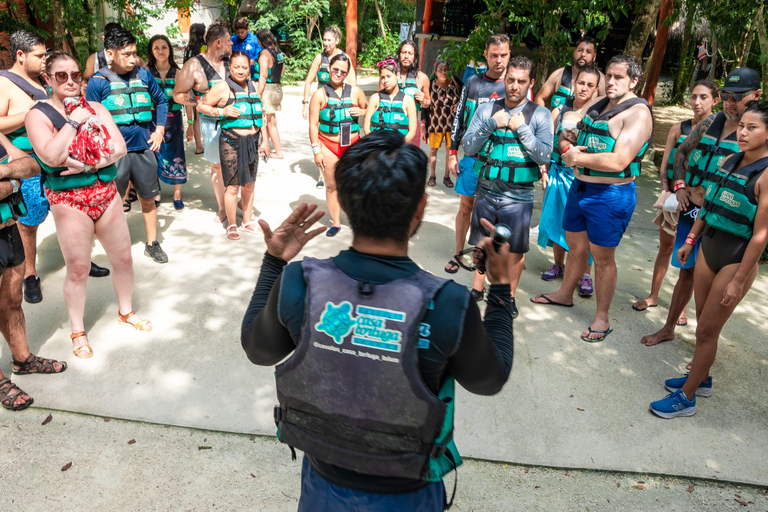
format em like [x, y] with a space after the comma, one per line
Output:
[705, 388]
[673, 405]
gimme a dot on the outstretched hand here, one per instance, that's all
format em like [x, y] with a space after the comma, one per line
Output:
[288, 239]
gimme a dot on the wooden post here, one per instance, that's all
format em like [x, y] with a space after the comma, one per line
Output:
[426, 26]
[654, 70]
[351, 47]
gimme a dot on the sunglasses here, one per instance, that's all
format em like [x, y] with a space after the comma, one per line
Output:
[735, 96]
[337, 71]
[62, 77]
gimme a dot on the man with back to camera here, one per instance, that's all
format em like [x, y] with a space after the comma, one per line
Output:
[613, 136]
[394, 336]
[561, 84]
[243, 40]
[127, 91]
[478, 89]
[510, 138]
[20, 87]
[195, 78]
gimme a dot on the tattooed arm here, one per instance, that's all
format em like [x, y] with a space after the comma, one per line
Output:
[684, 150]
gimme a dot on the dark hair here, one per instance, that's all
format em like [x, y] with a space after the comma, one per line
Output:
[497, 39]
[266, 38]
[709, 84]
[151, 61]
[109, 27]
[634, 70]
[380, 180]
[588, 40]
[240, 23]
[118, 38]
[415, 65]
[215, 32]
[590, 69]
[759, 107]
[520, 62]
[389, 67]
[237, 55]
[333, 29]
[24, 40]
[54, 58]
[196, 40]
[340, 57]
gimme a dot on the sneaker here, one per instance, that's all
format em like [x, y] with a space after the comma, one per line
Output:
[478, 295]
[673, 405]
[178, 204]
[704, 389]
[333, 231]
[97, 271]
[554, 272]
[585, 286]
[156, 252]
[513, 309]
[320, 183]
[32, 292]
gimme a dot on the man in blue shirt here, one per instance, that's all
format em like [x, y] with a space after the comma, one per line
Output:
[128, 91]
[247, 42]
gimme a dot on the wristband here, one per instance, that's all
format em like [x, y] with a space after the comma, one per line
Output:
[304, 102]
[73, 124]
[454, 151]
[315, 150]
[690, 241]
[15, 184]
[190, 121]
[679, 186]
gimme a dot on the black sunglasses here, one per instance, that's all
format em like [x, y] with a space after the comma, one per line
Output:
[735, 96]
[63, 76]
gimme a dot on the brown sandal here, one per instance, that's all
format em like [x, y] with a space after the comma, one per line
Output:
[34, 364]
[7, 396]
[83, 351]
[431, 181]
[142, 325]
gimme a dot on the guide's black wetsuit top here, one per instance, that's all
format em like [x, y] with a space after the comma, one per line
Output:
[476, 352]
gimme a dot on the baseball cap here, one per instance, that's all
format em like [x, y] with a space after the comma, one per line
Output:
[741, 80]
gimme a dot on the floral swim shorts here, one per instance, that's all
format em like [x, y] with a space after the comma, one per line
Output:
[93, 200]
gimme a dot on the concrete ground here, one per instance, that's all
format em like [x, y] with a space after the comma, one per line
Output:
[567, 404]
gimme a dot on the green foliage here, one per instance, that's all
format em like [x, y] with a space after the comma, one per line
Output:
[378, 49]
[173, 32]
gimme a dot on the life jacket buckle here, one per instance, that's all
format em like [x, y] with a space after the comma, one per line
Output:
[437, 451]
[364, 288]
[278, 415]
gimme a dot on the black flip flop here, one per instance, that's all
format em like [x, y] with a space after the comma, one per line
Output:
[646, 306]
[453, 265]
[590, 330]
[550, 302]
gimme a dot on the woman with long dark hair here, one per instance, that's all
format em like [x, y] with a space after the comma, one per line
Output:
[270, 69]
[171, 160]
[196, 43]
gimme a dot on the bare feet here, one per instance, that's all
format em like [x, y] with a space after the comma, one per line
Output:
[644, 304]
[658, 337]
[597, 331]
[277, 156]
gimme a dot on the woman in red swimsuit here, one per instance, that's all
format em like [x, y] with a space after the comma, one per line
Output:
[84, 200]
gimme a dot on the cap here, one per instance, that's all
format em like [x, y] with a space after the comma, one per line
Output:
[741, 80]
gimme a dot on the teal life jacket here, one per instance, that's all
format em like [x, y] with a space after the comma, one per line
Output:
[594, 134]
[130, 103]
[19, 137]
[167, 86]
[249, 105]
[213, 78]
[409, 87]
[336, 111]
[275, 71]
[375, 416]
[503, 157]
[391, 114]
[709, 154]
[324, 72]
[556, 157]
[52, 177]
[563, 91]
[685, 130]
[12, 206]
[729, 204]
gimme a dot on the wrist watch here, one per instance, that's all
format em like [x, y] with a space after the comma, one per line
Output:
[16, 185]
[304, 102]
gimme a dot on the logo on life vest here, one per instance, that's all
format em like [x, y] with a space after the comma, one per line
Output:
[119, 101]
[720, 161]
[727, 198]
[696, 156]
[595, 143]
[514, 152]
[368, 327]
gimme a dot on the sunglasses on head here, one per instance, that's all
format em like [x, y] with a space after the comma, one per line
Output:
[63, 76]
[735, 96]
[340, 72]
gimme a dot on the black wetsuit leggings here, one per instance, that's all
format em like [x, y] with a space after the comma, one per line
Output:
[721, 248]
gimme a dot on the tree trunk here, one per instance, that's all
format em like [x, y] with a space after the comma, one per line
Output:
[715, 53]
[659, 48]
[641, 28]
[686, 62]
[544, 57]
[750, 37]
[762, 39]
[351, 48]
[58, 25]
[382, 27]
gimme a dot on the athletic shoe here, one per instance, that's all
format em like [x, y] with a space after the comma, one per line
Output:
[704, 389]
[585, 286]
[673, 405]
[156, 252]
[513, 309]
[554, 272]
[178, 204]
[320, 183]
[333, 231]
[478, 295]
[97, 271]
[32, 292]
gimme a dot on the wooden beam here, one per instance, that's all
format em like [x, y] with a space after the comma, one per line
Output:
[426, 26]
[351, 47]
[659, 48]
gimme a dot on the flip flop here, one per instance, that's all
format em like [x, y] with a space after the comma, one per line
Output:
[634, 306]
[453, 266]
[681, 323]
[550, 302]
[598, 339]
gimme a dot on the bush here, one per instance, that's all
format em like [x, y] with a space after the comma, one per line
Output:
[377, 49]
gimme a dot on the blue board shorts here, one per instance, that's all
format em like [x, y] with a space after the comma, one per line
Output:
[603, 211]
[210, 131]
[37, 203]
[467, 180]
[685, 221]
[319, 495]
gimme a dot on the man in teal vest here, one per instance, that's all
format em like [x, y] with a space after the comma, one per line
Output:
[560, 84]
[705, 148]
[605, 158]
[12, 324]
[510, 138]
[375, 363]
[128, 91]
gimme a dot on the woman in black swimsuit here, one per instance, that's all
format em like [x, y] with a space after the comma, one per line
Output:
[734, 225]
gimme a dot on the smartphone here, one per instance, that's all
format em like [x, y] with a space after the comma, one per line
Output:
[345, 133]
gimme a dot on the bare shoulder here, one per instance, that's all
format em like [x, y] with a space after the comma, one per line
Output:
[556, 75]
